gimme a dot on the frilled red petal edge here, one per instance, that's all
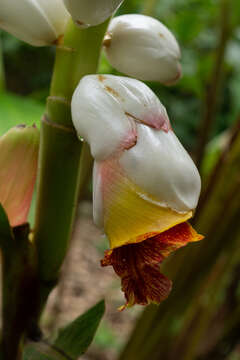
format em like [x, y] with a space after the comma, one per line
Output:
[138, 264]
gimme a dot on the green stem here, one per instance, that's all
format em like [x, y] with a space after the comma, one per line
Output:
[76, 57]
[59, 163]
[60, 150]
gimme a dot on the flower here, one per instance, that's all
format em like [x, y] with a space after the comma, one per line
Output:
[146, 186]
[18, 170]
[142, 47]
[87, 13]
[37, 22]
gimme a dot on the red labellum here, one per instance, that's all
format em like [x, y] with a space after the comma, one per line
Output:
[138, 264]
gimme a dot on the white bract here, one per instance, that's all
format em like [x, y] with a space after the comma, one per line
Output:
[106, 110]
[91, 12]
[37, 22]
[142, 47]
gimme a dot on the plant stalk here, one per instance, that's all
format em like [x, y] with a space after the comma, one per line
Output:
[60, 150]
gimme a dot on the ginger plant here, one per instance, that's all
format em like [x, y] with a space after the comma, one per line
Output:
[146, 186]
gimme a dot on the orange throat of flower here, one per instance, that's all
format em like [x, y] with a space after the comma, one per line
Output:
[138, 264]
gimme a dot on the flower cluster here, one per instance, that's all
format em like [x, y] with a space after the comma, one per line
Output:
[137, 45]
[146, 186]
[43, 22]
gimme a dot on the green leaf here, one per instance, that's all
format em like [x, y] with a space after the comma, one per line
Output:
[42, 351]
[72, 341]
[5, 228]
[76, 337]
[15, 110]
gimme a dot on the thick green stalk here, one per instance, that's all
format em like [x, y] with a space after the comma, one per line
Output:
[59, 163]
[60, 150]
[77, 56]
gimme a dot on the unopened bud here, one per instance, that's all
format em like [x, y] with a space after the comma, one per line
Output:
[142, 47]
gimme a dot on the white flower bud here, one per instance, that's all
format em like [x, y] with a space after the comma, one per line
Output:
[37, 22]
[89, 13]
[142, 47]
[131, 138]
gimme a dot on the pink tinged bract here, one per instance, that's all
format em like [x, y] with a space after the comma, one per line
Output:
[18, 170]
[107, 110]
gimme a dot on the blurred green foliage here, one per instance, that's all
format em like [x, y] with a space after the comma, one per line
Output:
[105, 338]
[15, 110]
[27, 69]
